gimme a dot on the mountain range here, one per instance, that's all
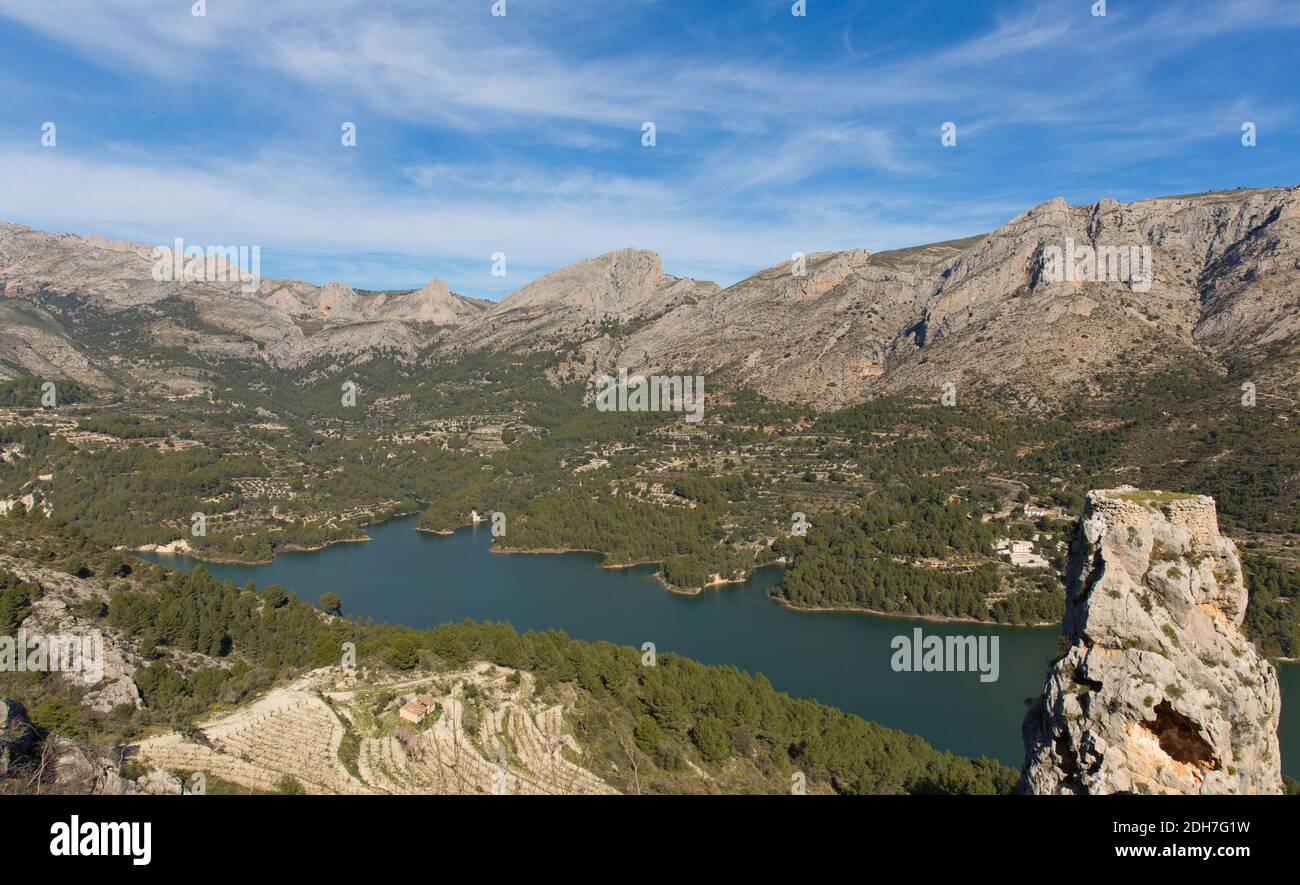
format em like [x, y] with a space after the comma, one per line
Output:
[989, 312]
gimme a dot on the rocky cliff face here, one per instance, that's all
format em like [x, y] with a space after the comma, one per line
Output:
[287, 323]
[33, 342]
[66, 766]
[819, 335]
[1158, 691]
[1219, 272]
[571, 303]
[987, 311]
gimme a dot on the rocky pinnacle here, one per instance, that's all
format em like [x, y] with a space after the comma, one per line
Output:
[1157, 690]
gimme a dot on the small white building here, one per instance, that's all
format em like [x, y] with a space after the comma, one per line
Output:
[1021, 553]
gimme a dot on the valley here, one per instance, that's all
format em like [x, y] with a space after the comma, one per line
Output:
[936, 474]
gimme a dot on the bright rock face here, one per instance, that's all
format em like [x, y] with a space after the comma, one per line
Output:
[1157, 691]
[574, 302]
[1219, 272]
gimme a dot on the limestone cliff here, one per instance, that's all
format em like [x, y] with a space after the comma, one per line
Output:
[1153, 286]
[1157, 690]
[287, 323]
[982, 313]
[571, 303]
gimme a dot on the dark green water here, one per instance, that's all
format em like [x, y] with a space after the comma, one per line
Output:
[842, 659]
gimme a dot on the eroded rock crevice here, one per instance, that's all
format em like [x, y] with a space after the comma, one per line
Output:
[1180, 737]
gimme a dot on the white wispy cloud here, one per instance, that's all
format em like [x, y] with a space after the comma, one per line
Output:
[283, 205]
[522, 134]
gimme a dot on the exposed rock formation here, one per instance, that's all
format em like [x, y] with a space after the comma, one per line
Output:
[32, 342]
[435, 303]
[822, 337]
[65, 766]
[17, 734]
[983, 312]
[55, 612]
[569, 304]
[287, 323]
[1158, 690]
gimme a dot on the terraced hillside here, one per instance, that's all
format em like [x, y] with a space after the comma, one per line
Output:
[335, 731]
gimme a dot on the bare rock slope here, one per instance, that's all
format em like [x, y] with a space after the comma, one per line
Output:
[987, 311]
[57, 612]
[1219, 273]
[572, 303]
[1158, 690]
[204, 306]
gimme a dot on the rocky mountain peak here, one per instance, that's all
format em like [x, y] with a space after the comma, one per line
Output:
[433, 291]
[338, 301]
[573, 301]
[434, 303]
[1056, 206]
[630, 263]
[609, 283]
[1158, 690]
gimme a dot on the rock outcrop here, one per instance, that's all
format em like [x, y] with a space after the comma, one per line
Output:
[435, 303]
[32, 342]
[1152, 286]
[1157, 690]
[66, 766]
[986, 311]
[572, 303]
[17, 735]
[46, 279]
[55, 612]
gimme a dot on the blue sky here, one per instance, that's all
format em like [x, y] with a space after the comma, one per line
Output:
[522, 134]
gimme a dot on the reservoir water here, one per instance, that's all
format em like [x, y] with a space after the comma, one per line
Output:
[839, 658]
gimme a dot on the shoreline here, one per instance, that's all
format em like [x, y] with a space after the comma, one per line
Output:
[658, 577]
[549, 550]
[679, 591]
[671, 588]
[221, 560]
[906, 616]
[287, 548]
[699, 591]
[720, 582]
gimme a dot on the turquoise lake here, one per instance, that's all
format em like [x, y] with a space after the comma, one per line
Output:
[842, 659]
